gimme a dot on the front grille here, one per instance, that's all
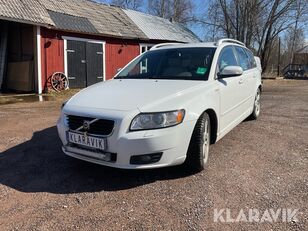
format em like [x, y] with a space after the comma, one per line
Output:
[101, 127]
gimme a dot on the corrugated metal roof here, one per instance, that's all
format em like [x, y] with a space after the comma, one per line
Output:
[157, 28]
[30, 11]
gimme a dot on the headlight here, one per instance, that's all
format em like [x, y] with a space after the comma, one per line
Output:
[147, 121]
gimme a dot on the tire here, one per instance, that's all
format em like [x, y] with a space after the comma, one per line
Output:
[198, 150]
[256, 106]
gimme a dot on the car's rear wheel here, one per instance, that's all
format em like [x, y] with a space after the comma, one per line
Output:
[256, 106]
[198, 150]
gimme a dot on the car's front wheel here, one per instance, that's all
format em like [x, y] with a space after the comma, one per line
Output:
[198, 150]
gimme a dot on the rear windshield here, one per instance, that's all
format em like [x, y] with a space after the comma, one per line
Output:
[177, 63]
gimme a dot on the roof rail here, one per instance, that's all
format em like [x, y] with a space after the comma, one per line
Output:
[164, 45]
[227, 40]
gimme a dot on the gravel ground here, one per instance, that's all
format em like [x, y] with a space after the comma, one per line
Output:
[259, 165]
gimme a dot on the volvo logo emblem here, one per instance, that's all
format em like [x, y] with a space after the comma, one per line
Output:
[86, 125]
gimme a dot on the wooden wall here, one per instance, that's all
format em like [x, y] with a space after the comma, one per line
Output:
[118, 52]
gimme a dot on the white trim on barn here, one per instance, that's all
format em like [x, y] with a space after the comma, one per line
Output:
[147, 46]
[65, 38]
[39, 60]
[104, 57]
[65, 57]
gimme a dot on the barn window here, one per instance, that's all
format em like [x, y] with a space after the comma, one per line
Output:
[144, 64]
[145, 47]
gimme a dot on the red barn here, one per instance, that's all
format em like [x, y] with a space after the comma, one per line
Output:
[87, 41]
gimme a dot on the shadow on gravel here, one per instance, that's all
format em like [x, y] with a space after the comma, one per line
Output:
[39, 165]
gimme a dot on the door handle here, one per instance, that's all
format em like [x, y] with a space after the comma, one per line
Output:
[241, 81]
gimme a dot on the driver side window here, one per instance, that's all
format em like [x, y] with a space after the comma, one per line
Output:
[226, 58]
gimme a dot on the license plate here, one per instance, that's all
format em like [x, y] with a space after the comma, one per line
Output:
[87, 141]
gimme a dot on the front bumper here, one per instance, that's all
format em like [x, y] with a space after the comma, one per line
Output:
[171, 142]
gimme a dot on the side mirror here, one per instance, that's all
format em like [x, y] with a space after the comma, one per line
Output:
[230, 71]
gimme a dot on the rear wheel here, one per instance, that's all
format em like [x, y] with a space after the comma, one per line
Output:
[198, 150]
[256, 106]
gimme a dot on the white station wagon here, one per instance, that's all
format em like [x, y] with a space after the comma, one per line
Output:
[164, 108]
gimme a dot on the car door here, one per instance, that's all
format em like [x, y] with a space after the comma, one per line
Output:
[248, 80]
[230, 89]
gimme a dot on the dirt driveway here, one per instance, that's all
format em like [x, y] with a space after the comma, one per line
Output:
[260, 165]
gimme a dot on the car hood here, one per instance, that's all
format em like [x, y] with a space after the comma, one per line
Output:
[131, 94]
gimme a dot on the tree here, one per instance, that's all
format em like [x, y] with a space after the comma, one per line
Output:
[256, 23]
[180, 11]
[296, 33]
[214, 30]
[274, 20]
[292, 42]
[128, 4]
[232, 19]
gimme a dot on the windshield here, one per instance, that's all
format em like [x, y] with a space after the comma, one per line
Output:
[176, 63]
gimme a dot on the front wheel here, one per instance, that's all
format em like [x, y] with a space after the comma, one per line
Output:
[198, 150]
[256, 106]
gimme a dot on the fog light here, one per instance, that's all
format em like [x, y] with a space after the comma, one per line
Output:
[146, 159]
[106, 156]
[109, 157]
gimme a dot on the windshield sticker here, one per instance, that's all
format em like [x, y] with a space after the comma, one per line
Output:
[201, 70]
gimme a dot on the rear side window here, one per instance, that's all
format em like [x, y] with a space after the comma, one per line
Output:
[226, 58]
[243, 58]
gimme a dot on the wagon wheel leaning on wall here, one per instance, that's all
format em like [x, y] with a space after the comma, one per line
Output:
[59, 81]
